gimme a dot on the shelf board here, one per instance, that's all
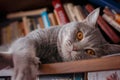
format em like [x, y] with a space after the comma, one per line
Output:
[100, 64]
[91, 65]
[26, 13]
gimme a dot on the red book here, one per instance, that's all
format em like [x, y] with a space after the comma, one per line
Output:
[62, 16]
[104, 26]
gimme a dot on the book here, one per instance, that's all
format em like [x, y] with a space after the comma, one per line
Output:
[41, 24]
[26, 25]
[104, 26]
[110, 3]
[117, 16]
[57, 18]
[67, 11]
[6, 72]
[108, 12]
[112, 22]
[104, 75]
[52, 19]
[35, 22]
[8, 34]
[30, 22]
[70, 76]
[21, 28]
[59, 12]
[70, 7]
[15, 29]
[45, 19]
[79, 13]
[112, 14]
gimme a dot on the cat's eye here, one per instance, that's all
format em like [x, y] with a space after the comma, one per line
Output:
[90, 52]
[79, 35]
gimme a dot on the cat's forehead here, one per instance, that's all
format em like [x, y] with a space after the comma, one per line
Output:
[75, 26]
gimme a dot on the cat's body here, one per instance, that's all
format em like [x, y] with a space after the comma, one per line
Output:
[73, 41]
[44, 42]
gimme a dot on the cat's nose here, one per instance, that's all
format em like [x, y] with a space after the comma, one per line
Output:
[75, 48]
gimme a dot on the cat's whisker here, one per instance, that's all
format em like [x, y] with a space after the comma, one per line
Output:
[69, 42]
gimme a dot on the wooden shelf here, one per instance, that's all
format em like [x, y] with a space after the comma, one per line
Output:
[26, 13]
[100, 64]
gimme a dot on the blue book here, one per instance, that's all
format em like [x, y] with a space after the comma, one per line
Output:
[45, 19]
[110, 3]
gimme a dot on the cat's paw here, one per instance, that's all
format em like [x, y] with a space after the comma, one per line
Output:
[27, 70]
[26, 73]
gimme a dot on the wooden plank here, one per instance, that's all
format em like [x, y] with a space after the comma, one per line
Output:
[26, 13]
[100, 64]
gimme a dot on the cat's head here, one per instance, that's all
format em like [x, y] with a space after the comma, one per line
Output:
[83, 40]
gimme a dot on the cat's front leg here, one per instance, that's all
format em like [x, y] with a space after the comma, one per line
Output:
[25, 66]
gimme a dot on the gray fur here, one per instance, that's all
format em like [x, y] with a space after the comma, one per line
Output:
[58, 44]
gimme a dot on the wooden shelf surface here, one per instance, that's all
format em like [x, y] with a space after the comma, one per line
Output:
[91, 65]
[100, 64]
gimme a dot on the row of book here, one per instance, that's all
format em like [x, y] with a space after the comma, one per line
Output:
[101, 75]
[109, 22]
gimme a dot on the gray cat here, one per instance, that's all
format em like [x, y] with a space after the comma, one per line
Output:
[72, 41]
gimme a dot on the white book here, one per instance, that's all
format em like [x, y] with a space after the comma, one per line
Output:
[104, 75]
[112, 22]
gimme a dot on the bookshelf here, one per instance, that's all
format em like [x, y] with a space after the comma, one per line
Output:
[91, 65]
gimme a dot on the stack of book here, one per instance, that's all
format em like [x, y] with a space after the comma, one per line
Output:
[28, 21]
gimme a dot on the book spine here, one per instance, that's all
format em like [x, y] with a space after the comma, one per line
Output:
[112, 22]
[25, 23]
[79, 13]
[52, 19]
[67, 11]
[57, 18]
[41, 24]
[104, 26]
[117, 18]
[70, 7]
[21, 27]
[45, 19]
[110, 3]
[63, 19]
[108, 12]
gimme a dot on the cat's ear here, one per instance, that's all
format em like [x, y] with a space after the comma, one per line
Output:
[92, 17]
[111, 48]
[5, 59]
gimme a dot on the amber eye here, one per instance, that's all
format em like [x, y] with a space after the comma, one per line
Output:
[79, 35]
[90, 52]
